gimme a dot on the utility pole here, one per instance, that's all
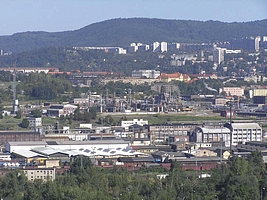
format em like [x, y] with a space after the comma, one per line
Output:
[231, 129]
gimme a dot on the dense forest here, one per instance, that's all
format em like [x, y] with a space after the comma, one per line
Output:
[122, 32]
[238, 180]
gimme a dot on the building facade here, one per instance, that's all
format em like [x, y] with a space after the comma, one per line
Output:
[145, 73]
[233, 91]
[40, 173]
[241, 133]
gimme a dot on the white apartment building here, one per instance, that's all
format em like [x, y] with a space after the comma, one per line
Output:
[257, 43]
[125, 124]
[163, 46]
[156, 47]
[241, 133]
[145, 73]
[218, 55]
[245, 132]
[132, 48]
[40, 173]
[232, 91]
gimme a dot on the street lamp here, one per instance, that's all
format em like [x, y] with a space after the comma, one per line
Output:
[262, 188]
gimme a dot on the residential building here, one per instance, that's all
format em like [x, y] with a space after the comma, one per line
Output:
[241, 133]
[117, 50]
[132, 48]
[35, 122]
[258, 92]
[218, 55]
[180, 59]
[145, 74]
[232, 91]
[245, 132]
[42, 174]
[27, 70]
[173, 46]
[174, 77]
[248, 44]
[163, 47]
[156, 47]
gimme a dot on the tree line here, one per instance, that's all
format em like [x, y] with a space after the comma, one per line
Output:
[240, 179]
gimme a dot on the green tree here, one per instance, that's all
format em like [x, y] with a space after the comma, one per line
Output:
[19, 114]
[24, 123]
[36, 113]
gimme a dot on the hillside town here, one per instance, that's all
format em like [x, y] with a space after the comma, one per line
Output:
[133, 142]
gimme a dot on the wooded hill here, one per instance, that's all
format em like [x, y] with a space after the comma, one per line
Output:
[122, 32]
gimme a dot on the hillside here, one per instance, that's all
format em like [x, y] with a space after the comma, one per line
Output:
[121, 32]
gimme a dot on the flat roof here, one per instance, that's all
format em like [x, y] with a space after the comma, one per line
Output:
[246, 125]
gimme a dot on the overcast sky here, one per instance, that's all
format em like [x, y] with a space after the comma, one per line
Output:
[61, 15]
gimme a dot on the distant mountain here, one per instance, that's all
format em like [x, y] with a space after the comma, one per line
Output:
[122, 32]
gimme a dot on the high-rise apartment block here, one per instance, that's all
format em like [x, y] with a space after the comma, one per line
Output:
[218, 55]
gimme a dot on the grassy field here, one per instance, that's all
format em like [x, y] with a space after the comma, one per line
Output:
[166, 117]
[12, 123]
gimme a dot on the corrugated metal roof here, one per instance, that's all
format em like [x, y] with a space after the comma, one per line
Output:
[27, 154]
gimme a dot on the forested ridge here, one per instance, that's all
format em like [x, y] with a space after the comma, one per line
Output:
[238, 180]
[122, 32]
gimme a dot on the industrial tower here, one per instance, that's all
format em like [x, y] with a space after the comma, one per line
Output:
[15, 103]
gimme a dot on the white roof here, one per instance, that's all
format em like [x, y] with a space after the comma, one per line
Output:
[48, 151]
[246, 125]
[26, 153]
[215, 130]
[109, 152]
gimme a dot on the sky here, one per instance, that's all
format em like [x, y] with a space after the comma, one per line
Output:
[62, 15]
